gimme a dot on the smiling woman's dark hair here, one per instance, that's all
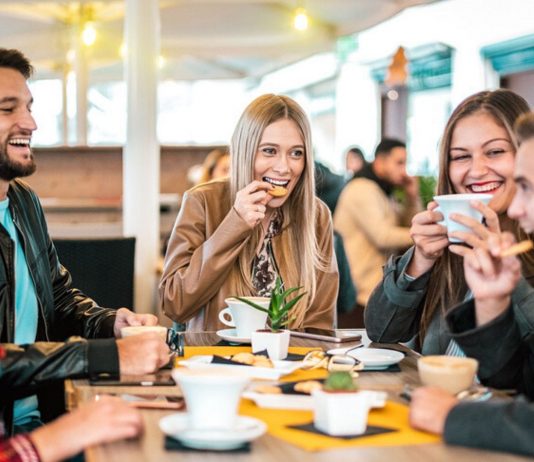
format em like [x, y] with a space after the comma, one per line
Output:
[14, 59]
[524, 127]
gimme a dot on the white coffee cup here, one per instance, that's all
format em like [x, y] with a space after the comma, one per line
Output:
[212, 400]
[459, 203]
[128, 331]
[243, 317]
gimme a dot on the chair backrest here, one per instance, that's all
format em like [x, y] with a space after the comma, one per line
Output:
[103, 269]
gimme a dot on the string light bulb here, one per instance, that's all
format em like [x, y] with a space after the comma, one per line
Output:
[300, 21]
[89, 34]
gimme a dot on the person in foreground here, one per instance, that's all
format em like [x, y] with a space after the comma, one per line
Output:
[487, 329]
[233, 237]
[37, 301]
[477, 155]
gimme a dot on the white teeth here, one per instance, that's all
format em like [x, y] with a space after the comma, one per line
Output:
[485, 188]
[276, 182]
[20, 141]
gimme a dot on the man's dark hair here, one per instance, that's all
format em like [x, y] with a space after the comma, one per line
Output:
[14, 59]
[357, 152]
[386, 145]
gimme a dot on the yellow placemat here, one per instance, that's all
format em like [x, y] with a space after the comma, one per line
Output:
[393, 415]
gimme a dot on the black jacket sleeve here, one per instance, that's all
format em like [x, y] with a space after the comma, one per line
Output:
[27, 367]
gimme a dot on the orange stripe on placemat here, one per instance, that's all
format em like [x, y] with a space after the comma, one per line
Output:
[393, 415]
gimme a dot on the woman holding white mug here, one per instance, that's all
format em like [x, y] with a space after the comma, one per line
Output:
[476, 156]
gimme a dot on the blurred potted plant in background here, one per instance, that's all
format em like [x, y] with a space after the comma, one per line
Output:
[275, 339]
[427, 190]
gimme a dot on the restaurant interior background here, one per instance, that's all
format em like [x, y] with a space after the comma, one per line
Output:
[113, 152]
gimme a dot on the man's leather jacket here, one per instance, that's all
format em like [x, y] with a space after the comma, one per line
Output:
[63, 310]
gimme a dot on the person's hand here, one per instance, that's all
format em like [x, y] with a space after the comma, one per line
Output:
[108, 419]
[125, 317]
[142, 354]
[251, 201]
[479, 234]
[430, 239]
[411, 187]
[491, 278]
[429, 409]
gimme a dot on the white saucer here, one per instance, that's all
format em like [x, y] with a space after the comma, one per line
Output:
[246, 429]
[231, 336]
[372, 358]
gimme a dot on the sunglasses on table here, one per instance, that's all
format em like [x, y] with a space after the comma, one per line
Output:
[318, 359]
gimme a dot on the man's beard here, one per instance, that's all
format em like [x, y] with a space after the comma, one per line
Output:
[9, 170]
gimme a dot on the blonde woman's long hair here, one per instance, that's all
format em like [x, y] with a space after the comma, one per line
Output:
[299, 242]
[447, 285]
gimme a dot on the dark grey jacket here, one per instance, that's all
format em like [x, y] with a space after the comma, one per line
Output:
[63, 310]
[395, 308]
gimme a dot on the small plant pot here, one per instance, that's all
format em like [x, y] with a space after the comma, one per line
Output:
[340, 413]
[276, 343]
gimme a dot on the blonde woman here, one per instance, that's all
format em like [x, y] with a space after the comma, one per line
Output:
[233, 237]
[476, 155]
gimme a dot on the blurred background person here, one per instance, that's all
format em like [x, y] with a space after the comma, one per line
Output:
[216, 165]
[354, 162]
[372, 224]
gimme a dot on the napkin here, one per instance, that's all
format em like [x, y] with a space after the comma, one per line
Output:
[371, 430]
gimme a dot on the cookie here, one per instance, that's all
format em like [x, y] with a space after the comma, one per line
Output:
[308, 386]
[278, 191]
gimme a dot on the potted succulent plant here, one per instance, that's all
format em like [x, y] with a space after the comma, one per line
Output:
[275, 339]
[339, 409]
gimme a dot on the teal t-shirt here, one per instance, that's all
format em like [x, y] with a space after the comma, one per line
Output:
[25, 309]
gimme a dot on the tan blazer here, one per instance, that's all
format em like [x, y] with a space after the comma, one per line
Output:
[205, 243]
[372, 228]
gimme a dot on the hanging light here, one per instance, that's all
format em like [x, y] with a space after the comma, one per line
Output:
[88, 34]
[300, 20]
[397, 72]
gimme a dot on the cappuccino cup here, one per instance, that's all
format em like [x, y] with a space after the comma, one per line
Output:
[243, 317]
[459, 203]
[450, 373]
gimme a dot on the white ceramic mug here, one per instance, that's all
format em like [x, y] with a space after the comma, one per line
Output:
[459, 203]
[243, 317]
[128, 331]
[212, 399]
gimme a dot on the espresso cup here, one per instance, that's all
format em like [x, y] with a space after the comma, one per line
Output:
[243, 317]
[459, 203]
[450, 373]
[212, 400]
[128, 331]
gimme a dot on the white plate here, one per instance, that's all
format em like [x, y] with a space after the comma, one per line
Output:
[372, 358]
[231, 336]
[280, 368]
[246, 429]
[303, 402]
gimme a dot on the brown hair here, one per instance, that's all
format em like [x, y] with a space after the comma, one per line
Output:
[524, 127]
[447, 285]
[14, 59]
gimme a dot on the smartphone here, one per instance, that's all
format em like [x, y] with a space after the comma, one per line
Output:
[154, 402]
[327, 335]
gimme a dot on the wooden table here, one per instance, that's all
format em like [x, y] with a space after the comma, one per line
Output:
[267, 448]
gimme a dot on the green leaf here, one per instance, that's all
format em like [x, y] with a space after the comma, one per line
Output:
[293, 302]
